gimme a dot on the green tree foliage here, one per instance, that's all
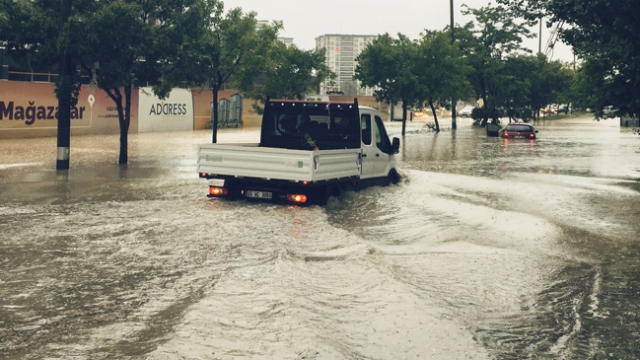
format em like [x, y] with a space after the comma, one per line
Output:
[287, 73]
[585, 78]
[34, 36]
[517, 84]
[388, 65]
[225, 46]
[550, 82]
[532, 81]
[566, 94]
[594, 89]
[440, 70]
[486, 44]
[31, 32]
[606, 36]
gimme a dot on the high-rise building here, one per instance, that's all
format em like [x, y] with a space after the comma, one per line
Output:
[340, 54]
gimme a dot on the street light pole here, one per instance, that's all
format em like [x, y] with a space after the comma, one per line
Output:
[453, 100]
[453, 38]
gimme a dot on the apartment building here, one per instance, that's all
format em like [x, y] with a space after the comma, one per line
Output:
[340, 53]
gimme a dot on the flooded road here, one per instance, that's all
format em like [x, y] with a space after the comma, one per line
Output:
[488, 249]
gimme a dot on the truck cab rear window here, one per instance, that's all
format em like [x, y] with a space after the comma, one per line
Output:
[302, 126]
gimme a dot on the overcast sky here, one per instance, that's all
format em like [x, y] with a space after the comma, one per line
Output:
[304, 20]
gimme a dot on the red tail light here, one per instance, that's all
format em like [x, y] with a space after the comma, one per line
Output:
[218, 191]
[297, 198]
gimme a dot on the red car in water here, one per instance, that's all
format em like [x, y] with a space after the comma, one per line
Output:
[518, 131]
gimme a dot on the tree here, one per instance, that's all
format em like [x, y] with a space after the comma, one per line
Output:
[125, 44]
[606, 36]
[549, 81]
[115, 59]
[517, 81]
[386, 64]
[288, 73]
[227, 46]
[567, 77]
[533, 81]
[120, 44]
[440, 70]
[486, 47]
[586, 77]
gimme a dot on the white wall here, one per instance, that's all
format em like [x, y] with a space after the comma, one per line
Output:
[174, 113]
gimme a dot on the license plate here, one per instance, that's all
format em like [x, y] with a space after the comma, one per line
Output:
[518, 137]
[259, 194]
[217, 182]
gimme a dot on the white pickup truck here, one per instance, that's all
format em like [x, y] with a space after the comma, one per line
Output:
[308, 151]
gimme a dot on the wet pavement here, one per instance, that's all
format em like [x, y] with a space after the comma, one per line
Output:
[487, 249]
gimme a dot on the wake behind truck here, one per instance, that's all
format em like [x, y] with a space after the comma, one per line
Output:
[308, 152]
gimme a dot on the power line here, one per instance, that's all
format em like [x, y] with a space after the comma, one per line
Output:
[553, 39]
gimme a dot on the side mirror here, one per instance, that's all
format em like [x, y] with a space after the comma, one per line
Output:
[395, 145]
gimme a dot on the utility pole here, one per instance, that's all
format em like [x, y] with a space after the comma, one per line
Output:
[64, 91]
[453, 100]
[540, 38]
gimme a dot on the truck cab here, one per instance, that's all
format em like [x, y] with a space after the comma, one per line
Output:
[378, 161]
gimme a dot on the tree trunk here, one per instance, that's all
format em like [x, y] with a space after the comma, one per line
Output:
[485, 105]
[124, 116]
[124, 128]
[214, 115]
[404, 116]
[123, 159]
[435, 116]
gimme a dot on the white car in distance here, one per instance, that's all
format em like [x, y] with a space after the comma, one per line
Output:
[466, 111]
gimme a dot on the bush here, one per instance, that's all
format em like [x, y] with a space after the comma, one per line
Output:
[494, 114]
[477, 113]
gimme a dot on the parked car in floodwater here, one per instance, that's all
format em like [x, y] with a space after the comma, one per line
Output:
[518, 131]
[550, 109]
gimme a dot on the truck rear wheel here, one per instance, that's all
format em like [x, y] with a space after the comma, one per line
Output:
[322, 195]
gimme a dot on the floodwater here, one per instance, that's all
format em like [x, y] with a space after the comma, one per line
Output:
[487, 249]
